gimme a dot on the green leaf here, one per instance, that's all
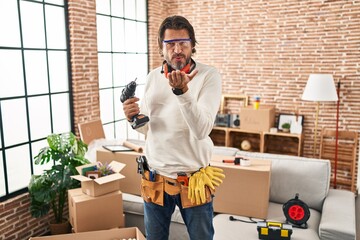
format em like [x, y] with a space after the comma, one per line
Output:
[38, 208]
[49, 190]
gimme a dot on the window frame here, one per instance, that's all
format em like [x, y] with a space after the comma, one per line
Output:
[111, 126]
[49, 93]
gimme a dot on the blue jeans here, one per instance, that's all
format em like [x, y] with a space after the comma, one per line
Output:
[198, 220]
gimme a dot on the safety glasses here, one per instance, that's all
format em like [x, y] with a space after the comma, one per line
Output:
[181, 42]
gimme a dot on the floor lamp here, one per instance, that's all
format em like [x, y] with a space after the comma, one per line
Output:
[319, 88]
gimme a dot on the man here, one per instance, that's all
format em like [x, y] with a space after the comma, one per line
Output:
[181, 99]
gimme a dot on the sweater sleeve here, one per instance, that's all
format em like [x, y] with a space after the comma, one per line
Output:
[199, 114]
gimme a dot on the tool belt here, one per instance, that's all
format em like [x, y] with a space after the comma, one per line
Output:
[153, 191]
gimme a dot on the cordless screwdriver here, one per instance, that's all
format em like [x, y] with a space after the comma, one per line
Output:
[137, 120]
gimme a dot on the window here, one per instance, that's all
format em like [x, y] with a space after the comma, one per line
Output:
[122, 56]
[34, 86]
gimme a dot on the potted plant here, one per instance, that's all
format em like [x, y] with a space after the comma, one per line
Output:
[48, 191]
[286, 127]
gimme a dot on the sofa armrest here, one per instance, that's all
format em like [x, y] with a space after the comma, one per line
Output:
[338, 216]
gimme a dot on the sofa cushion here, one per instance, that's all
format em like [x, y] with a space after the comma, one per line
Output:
[290, 175]
[337, 222]
[236, 230]
[225, 151]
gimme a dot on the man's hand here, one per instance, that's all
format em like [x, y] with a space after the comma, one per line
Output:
[178, 79]
[131, 108]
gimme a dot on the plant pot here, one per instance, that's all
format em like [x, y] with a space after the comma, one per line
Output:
[286, 130]
[60, 228]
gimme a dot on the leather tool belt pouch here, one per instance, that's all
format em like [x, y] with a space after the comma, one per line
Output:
[171, 186]
[153, 191]
[186, 202]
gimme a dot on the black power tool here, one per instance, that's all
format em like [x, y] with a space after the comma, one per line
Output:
[138, 120]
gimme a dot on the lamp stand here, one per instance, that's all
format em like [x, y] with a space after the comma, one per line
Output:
[337, 134]
[316, 127]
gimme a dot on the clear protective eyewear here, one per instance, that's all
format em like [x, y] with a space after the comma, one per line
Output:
[182, 42]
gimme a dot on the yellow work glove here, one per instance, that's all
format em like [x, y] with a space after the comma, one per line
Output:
[196, 191]
[214, 174]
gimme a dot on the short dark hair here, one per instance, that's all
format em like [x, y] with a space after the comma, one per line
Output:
[177, 23]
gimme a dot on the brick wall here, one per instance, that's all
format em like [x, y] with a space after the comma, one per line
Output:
[84, 60]
[269, 48]
[265, 48]
[16, 223]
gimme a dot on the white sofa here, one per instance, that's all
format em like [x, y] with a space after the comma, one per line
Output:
[332, 211]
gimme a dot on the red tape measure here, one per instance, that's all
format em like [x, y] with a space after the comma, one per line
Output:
[296, 212]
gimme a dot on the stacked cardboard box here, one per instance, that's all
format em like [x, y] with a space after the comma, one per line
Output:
[124, 233]
[261, 119]
[87, 213]
[98, 204]
[99, 186]
[245, 189]
[131, 183]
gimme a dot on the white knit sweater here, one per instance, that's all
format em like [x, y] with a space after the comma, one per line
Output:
[177, 135]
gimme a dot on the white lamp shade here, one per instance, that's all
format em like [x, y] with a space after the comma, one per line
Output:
[320, 87]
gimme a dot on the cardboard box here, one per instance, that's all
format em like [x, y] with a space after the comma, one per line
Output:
[120, 233]
[87, 213]
[91, 130]
[103, 185]
[131, 182]
[245, 190]
[261, 119]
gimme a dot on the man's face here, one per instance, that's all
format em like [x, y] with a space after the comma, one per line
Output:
[177, 48]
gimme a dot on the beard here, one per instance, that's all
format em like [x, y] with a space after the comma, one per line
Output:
[178, 65]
